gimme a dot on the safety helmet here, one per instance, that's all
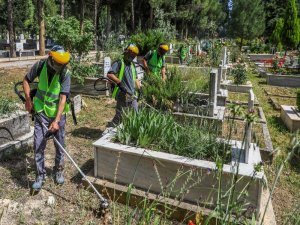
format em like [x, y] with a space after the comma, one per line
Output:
[59, 55]
[132, 48]
[164, 46]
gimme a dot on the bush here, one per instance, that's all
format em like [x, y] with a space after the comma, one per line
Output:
[7, 106]
[239, 74]
[164, 95]
[80, 71]
[66, 32]
[188, 139]
[147, 41]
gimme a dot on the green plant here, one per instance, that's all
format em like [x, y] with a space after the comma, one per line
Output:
[147, 41]
[175, 89]
[214, 54]
[66, 31]
[7, 106]
[239, 74]
[81, 70]
[198, 141]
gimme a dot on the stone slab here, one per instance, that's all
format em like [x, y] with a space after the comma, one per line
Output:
[123, 165]
[259, 57]
[290, 117]
[221, 98]
[283, 80]
[21, 142]
[230, 86]
[14, 125]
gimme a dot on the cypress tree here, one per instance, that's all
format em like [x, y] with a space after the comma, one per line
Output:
[290, 32]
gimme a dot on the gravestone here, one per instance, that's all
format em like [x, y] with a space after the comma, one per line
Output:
[219, 78]
[251, 101]
[22, 39]
[77, 101]
[225, 56]
[19, 47]
[213, 91]
[248, 127]
[171, 48]
[106, 65]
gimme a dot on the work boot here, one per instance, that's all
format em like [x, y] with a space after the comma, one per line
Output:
[38, 183]
[58, 176]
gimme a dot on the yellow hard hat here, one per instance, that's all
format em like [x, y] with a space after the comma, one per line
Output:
[59, 55]
[164, 46]
[133, 48]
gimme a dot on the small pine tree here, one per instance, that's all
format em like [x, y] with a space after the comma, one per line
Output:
[290, 31]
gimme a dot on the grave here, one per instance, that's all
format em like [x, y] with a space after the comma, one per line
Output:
[15, 131]
[291, 117]
[123, 165]
[87, 88]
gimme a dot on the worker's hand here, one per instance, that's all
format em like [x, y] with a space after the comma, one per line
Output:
[122, 87]
[54, 127]
[29, 105]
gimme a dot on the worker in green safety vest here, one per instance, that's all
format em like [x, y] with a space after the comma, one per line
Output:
[50, 102]
[154, 61]
[183, 52]
[123, 73]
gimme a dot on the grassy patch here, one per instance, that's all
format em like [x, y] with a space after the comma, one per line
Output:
[287, 190]
[198, 141]
[7, 106]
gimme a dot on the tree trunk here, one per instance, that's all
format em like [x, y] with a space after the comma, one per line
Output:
[95, 23]
[82, 5]
[186, 31]
[108, 22]
[10, 25]
[40, 6]
[151, 18]
[62, 8]
[132, 15]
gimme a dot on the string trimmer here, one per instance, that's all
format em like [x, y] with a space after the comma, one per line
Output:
[103, 202]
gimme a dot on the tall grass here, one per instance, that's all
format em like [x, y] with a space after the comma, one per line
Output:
[7, 106]
[160, 131]
[231, 207]
[175, 89]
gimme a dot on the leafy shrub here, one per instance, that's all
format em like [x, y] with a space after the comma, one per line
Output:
[163, 95]
[215, 54]
[190, 140]
[66, 32]
[147, 41]
[80, 70]
[239, 74]
[7, 106]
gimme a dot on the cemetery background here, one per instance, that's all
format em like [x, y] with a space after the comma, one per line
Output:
[16, 169]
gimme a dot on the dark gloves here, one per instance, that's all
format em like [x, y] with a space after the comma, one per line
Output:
[122, 87]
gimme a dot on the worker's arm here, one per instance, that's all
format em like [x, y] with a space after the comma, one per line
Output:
[114, 78]
[147, 70]
[61, 105]
[26, 88]
[163, 73]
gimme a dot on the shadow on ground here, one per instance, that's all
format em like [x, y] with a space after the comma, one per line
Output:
[87, 133]
[19, 166]
[278, 124]
[86, 168]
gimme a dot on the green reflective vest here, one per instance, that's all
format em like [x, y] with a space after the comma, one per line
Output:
[156, 63]
[183, 52]
[121, 75]
[47, 96]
